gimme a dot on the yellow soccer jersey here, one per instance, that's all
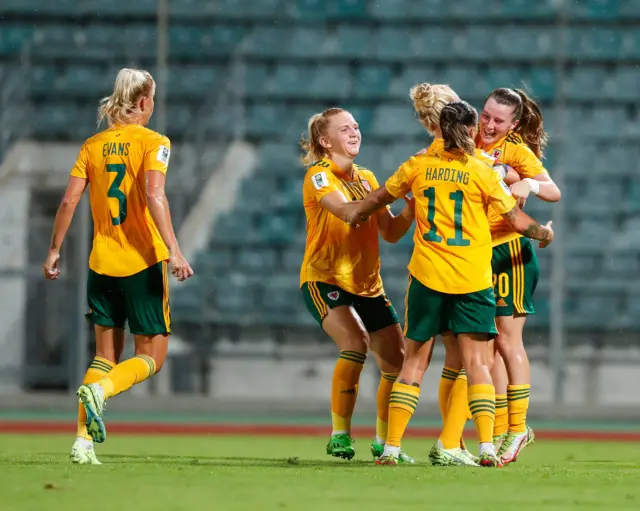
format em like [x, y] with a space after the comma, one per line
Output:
[452, 252]
[336, 253]
[125, 238]
[513, 151]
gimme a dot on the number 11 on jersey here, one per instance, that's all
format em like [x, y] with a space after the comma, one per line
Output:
[432, 235]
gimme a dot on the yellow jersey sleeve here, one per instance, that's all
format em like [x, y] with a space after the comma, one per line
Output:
[319, 182]
[495, 190]
[157, 154]
[399, 184]
[522, 159]
[80, 167]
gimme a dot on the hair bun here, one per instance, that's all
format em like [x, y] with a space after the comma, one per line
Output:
[423, 95]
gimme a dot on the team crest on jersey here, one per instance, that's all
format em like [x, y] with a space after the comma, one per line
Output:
[366, 185]
[320, 180]
[334, 295]
[496, 153]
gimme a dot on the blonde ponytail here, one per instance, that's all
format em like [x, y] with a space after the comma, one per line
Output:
[129, 87]
[316, 128]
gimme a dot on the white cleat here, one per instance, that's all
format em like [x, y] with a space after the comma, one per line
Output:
[82, 453]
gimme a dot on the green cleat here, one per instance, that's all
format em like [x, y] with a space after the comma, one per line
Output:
[455, 457]
[389, 459]
[531, 437]
[92, 398]
[81, 455]
[498, 440]
[341, 446]
[489, 459]
[377, 451]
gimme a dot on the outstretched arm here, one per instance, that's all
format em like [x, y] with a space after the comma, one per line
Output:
[360, 211]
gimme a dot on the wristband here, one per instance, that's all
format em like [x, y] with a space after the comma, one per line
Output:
[535, 185]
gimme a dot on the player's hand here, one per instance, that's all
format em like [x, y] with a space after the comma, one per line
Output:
[548, 241]
[353, 217]
[520, 191]
[179, 266]
[50, 267]
[421, 151]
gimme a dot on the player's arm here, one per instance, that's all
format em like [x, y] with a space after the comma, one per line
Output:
[527, 226]
[64, 215]
[508, 174]
[359, 212]
[393, 227]
[534, 178]
[336, 203]
[398, 185]
[159, 209]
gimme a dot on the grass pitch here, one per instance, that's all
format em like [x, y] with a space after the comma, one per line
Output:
[264, 473]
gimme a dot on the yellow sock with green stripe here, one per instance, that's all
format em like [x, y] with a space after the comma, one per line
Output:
[126, 374]
[518, 404]
[344, 389]
[384, 392]
[402, 405]
[457, 415]
[97, 370]
[447, 379]
[502, 415]
[482, 403]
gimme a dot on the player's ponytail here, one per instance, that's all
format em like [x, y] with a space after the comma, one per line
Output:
[428, 102]
[455, 120]
[527, 112]
[310, 142]
[129, 87]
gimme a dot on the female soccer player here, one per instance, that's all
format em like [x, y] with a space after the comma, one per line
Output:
[450, 288]
[340, 273]
[428, 101]
[125, 168]
[511, 130]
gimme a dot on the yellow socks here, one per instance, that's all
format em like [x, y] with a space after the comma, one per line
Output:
[402, 405]
[457, 415]
[126, 374]
[482, 403]
[344, 389]
[502, 415]
[447, 379]
[518, 404]
[97, 370]
[384, 392]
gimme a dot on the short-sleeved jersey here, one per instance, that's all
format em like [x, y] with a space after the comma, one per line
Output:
[513, 151]
[336, 253]
[125, 238]
[452, 252]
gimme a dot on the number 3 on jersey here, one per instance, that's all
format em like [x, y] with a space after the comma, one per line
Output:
[432, 235]
[115, 193]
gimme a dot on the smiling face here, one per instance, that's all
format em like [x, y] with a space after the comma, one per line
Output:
[342, 136]
[495, 122]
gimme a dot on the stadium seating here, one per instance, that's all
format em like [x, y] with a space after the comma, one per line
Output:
[301, 56]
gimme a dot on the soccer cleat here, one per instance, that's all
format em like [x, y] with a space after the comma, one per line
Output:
[92, 398]
[83, 455]
[498, 440]
[513, 445]
[377, 451]
[455, 457]
[341, 446]
[470, 456]
[389, 459]
[489, 459]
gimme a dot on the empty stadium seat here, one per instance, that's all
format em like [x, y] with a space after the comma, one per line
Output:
[372, 81]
